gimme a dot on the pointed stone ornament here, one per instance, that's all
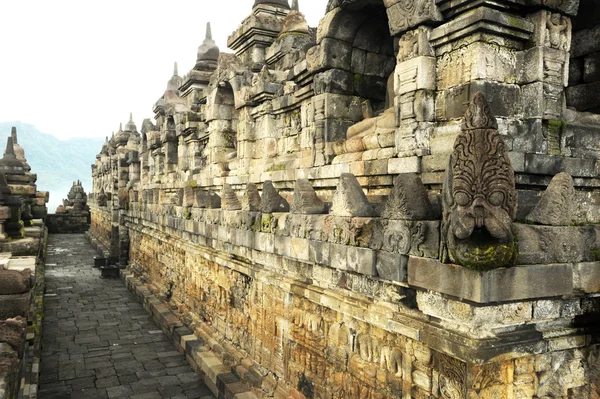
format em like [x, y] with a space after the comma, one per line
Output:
[350, 200]
[208, 52]
[479, 115]
[306, 200]
[557, 206]
[229, 200]
[213, 200]
[479, 198]
[271, 201]
[408, 200]
[175, 71]
[208, 32]
[251, 198]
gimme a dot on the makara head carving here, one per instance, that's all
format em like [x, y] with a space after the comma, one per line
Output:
[479, 195]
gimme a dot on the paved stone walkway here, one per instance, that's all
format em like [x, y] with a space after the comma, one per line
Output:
[98, 341]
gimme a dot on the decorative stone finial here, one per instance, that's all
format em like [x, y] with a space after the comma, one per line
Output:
[229, 200]
[251, 198]
[13, 134]
[479, 114]
[408, 200]
[175, 71]
[557, 205]
[350, 200]
[271, 201]
[208, 52]
[305, 199]
[295, 22]
[479, 198]
[10, 149]
[208, 32]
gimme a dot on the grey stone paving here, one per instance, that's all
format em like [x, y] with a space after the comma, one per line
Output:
[98, 341]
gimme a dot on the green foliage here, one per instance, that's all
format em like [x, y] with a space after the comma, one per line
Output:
[56, 162]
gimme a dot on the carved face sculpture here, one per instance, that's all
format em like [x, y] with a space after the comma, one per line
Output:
[479, 194]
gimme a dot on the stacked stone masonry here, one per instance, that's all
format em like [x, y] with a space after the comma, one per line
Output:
[22, 242]
[73, 216]
[402, 202]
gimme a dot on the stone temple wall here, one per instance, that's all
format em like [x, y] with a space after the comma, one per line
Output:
[402, 202]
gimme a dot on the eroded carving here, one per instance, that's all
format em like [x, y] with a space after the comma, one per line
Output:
[479, 195]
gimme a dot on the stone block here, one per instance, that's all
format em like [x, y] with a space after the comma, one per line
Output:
[591, 68]
[586, 277]
[586, 41]
[14, 305]
[504, 99]
[338, 106]
[391, 266]
[584, 97]
[415, 74]
[334, 81]
[403, 15]
[339, 25]
[404, 165]
[318, 252]
[546, 309]
[338, 256]
[361, 260]
[497, 285]
[329, 54]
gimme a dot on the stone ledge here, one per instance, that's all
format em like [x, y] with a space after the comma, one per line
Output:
[498, 285]
[202, 352]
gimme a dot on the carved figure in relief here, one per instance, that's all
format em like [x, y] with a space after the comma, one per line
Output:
[391, 359]
[479, 196]
[558, 31]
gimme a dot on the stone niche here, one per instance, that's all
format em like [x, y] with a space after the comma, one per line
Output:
[400, 202]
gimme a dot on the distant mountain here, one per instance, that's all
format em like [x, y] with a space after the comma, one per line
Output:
[56, 162]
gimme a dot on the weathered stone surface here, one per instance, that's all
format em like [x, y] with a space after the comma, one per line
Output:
[349, 199]
[251, 198]
[557, 205]
[556, 244]
[12, 332]
[305, 199]
[479, 195]
[229, 200]
[498, 285]
[271, 201]
[14, 282]
[14, 305]
[408, 199]
[311, 304]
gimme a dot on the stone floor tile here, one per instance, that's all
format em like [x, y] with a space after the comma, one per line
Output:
[98, 342]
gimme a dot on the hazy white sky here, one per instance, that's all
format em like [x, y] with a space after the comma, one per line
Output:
[77, 68]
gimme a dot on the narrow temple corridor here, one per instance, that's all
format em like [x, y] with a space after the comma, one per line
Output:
[98, 341]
